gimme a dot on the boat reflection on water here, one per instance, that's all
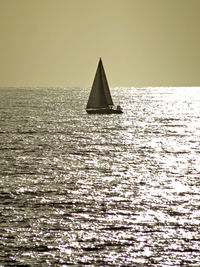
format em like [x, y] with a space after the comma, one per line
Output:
[100, 100]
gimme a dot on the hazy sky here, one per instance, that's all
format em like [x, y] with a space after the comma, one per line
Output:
[59, 42]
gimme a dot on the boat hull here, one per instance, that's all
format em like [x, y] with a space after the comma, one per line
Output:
[104, 111]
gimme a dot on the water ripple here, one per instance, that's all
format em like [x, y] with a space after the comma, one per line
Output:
[117, 190]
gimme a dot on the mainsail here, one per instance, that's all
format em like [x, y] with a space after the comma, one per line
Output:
[100, 96]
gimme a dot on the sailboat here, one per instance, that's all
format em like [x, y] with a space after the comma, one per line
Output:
[100, 100]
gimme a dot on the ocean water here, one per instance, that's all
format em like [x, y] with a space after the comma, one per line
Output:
[100, 190]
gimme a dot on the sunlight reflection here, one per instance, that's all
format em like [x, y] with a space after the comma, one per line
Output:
[102, 190]
[179, 187]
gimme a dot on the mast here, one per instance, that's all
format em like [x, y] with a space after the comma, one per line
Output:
[105, 85]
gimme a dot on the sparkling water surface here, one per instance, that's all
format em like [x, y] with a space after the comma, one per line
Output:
[99, 190]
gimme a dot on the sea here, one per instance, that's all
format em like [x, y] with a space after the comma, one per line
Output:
[100, 190]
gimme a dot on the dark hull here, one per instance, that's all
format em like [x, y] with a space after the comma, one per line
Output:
[104, 111]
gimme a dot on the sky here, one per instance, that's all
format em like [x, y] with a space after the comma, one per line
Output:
[59, 42]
